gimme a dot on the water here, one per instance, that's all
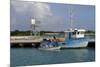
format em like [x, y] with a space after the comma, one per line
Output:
[31, 56]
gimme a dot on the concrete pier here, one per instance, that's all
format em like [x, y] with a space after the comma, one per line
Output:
[25, 45]
[25, 41]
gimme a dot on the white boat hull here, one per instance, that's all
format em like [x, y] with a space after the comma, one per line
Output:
[78, 45]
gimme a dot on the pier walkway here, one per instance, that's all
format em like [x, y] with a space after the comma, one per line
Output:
[25, 39]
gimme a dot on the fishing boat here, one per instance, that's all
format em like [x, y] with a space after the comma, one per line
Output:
[74, 38]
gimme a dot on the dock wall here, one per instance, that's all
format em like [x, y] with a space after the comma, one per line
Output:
[37, 44]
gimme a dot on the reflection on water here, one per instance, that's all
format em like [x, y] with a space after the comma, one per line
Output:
[30, 56]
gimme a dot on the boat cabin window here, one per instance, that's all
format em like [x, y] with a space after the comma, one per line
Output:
[73, 33]
[76, 32]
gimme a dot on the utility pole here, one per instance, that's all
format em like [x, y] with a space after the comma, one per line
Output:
[33, 25]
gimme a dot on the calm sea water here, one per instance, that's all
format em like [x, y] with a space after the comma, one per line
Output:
[31, 56]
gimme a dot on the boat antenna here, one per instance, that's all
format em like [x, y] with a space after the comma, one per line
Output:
[71, 17]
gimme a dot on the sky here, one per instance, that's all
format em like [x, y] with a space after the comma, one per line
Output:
[52, 16]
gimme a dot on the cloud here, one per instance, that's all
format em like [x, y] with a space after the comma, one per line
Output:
[37, 10]
[23, 11]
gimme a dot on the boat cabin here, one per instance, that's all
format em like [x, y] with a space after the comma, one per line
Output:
[76, 33]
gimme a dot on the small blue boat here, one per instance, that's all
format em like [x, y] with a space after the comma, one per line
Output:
[49, 45]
